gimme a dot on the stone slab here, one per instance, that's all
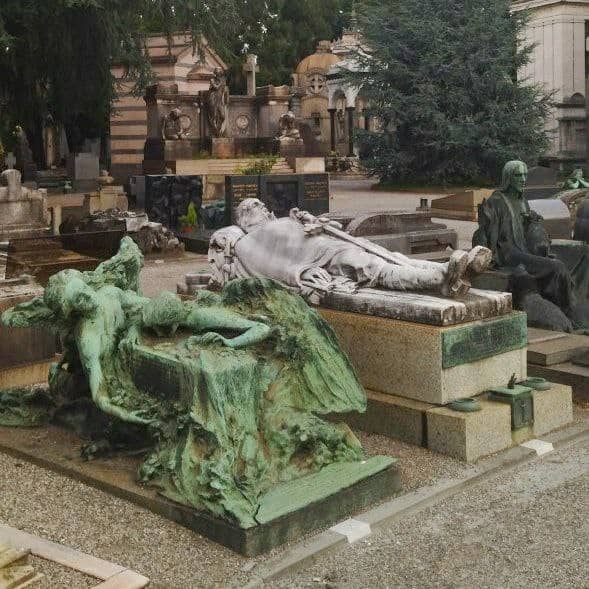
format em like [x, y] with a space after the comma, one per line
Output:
[557, 217]
[537, 336]
[566, 373]
[407, 359]
[470, 436]
[197, 242]
[59, 450]
[421, 308]
[582, 359]
[557, 351]
[552, 409]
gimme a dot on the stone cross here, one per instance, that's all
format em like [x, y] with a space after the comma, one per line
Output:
[12, 179]
[250, 67]
[10, 160]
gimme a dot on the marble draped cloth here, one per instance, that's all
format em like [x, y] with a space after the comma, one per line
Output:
[281, 250]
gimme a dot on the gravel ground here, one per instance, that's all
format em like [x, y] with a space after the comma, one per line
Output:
[164, 274]
[41, 502]
[523, 528]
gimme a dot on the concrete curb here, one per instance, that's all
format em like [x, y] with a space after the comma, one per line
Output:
[113, 576]
[303, 555]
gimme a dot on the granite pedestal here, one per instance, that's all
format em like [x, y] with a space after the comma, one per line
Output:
[428, 348]
[415, 353]
[466, 436]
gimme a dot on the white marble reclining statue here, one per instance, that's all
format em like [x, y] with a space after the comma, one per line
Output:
[313, 256]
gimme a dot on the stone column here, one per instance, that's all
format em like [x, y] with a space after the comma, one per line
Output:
[332, 112]
[586, 91]
[55, 219]
[350, 110]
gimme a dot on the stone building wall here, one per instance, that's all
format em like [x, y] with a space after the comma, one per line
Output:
[559, 31]
[176, 66]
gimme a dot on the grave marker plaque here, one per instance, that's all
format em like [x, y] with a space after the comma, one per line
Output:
[316, 193]
[279, 192]
[237, 189]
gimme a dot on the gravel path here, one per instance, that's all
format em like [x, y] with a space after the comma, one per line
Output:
[524, 528]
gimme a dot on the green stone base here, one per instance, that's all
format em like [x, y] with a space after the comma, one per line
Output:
[288, 512]
[318, 501]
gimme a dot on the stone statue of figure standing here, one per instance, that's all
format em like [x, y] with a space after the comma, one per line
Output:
[217, 104]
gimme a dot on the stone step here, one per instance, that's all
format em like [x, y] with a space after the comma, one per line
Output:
[15, 573]
[18, 577]
[11, 556]
[557, 350]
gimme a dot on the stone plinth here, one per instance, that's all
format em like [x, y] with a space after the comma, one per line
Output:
[431, 363]
[222, 147]
[552, 409]
[469, 436]
[462, 205]
[23, 212]
[25, 353]
[466, 436]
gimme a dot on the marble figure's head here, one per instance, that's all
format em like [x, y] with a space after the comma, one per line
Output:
[252, 213]
[515, 175]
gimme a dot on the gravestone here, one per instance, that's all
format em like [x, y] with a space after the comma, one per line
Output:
[316, 193]
[167, 198]
[237, 189]
[279, 192]
[542, 183]
[83, 168]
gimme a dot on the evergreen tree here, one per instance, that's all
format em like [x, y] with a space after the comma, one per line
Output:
[55, 55]
[441, 78]
[281, 33]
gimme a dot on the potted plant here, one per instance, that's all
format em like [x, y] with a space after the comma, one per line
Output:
[189, 221]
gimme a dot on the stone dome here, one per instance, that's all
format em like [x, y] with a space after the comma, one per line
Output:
[323, 59]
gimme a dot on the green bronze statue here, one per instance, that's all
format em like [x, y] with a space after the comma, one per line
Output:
[542, 284]
[223, 392]
[575, 181]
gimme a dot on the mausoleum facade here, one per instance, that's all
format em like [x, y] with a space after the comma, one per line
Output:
[559, 31]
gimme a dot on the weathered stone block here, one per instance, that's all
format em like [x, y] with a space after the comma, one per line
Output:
[429, 363]
[223, 148]
[469, 436]
[552, 409]
[391, 416]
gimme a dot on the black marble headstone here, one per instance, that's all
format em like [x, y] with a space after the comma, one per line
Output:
[167, 197]
[316, 193]
[279, 192]
[237, 189]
